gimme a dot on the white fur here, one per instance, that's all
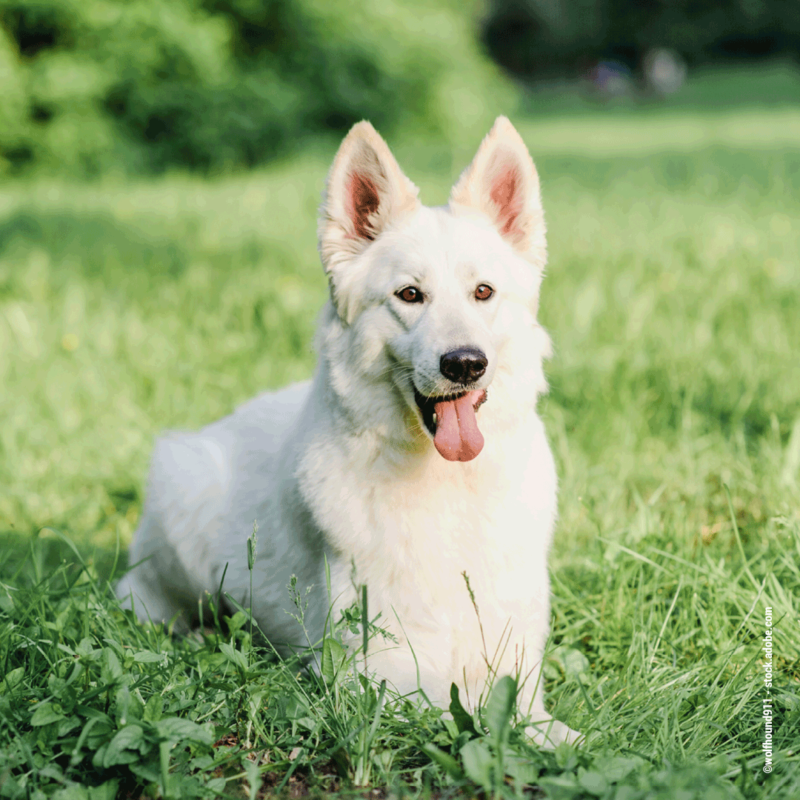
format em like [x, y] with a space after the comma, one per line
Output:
[342, 468]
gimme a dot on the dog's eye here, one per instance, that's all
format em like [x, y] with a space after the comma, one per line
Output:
[483, 292]
[410, 295]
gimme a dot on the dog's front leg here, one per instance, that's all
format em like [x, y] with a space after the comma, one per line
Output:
[408, 670]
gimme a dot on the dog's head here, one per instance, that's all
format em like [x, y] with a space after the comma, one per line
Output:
[437, 303]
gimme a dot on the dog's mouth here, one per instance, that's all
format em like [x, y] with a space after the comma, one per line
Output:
[450, 420]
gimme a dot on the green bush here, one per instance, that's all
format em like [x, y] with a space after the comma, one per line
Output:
[96, 85]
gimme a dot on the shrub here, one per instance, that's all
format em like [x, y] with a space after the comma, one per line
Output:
[93, 85]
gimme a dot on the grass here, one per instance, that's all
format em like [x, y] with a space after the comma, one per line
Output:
[674, 412]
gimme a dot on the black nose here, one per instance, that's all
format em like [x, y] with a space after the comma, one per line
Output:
[464, 365]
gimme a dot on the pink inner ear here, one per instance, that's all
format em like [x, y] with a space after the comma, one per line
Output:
[506, 193]
[363, 201]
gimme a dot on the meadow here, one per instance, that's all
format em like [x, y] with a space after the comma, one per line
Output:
[130, 307]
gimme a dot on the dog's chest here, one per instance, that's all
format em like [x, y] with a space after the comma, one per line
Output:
[415, 536]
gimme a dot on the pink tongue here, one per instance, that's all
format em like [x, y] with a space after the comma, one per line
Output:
[457, 436]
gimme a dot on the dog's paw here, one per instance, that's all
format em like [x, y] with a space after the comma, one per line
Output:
[549, 732]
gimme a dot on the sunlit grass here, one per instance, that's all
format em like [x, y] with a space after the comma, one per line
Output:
[674, 412]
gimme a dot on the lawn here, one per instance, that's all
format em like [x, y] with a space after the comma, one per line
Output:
[672, 296]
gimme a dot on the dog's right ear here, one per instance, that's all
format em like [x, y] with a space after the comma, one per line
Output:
[366, 192]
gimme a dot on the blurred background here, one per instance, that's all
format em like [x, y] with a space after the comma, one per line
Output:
[161, 162]
[146, 85]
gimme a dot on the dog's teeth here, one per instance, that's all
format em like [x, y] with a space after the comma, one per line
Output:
[435, 418]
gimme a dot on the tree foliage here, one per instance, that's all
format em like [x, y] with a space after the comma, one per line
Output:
[547, 37]
[92, 85]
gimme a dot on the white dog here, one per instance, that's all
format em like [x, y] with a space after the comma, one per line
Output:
[414, 456]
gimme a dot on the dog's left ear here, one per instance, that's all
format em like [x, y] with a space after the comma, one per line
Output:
[366, 191]
[502, 183]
